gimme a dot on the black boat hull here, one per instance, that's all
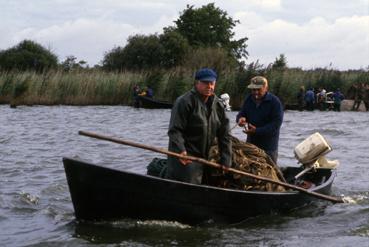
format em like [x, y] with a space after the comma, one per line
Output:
[100, 193]
[150, 103]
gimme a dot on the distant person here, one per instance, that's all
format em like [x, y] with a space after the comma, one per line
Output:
[300, 98]
[198, 119]
[310, 99]
[321, 99]
[366, 97]
[357, 101]
[149, 92]
[262, 115]
[360, 94]
[136, 92]
[337, 98]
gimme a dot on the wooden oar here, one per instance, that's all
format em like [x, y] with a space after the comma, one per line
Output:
[212, 164]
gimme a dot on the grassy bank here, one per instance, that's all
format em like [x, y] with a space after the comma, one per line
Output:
[73, 88]
[95, 87]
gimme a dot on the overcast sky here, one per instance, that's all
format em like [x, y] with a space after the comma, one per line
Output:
[311, 33]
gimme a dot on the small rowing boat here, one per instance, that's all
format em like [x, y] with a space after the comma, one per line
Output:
[150, 103]
[101, 193]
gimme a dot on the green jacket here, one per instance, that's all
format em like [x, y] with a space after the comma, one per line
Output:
[193, 128]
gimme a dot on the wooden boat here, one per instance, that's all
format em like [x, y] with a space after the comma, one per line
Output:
[100, 193]
[291, 107]
[147, 102]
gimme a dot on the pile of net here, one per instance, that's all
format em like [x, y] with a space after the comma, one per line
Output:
[248, 158]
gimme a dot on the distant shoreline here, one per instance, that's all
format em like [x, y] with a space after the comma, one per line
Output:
[346, 105]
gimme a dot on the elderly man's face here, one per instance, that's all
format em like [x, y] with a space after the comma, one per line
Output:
[259, 93]
[205, 88]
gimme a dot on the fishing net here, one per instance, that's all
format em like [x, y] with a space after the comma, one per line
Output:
[245, 157]
[248, 158]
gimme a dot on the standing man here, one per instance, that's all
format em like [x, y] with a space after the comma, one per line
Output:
[262, 115]
[337, 98]
[197, 118]
[136, 92]
[360, 94]
[366, 97]
[310, 99]
[149, 92]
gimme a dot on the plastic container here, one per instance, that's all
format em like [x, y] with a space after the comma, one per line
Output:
[312, 148]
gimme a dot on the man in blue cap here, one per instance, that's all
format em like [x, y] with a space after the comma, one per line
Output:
[198, 118]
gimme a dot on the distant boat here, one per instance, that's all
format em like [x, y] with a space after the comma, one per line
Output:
[292, 107]
[101, 193]
[150, 103]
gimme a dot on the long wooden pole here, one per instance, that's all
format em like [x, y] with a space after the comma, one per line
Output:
[212, 164]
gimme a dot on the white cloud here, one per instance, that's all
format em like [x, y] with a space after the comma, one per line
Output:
[309, 32]
[269, 4]
[317, 43]
[87, 39]
[249, 21]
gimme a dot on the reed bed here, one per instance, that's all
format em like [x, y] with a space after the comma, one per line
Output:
[69, 88]
[96, 87]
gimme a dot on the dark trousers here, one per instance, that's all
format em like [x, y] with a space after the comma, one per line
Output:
[273, 155]
[337, 106]
[310, 106]
[190, 173]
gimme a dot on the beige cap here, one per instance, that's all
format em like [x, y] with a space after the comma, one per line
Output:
[257, 82]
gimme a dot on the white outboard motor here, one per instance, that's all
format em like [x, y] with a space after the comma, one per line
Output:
[311, 153]
[225, 100]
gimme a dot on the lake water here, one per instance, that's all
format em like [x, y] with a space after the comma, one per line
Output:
[36, 209]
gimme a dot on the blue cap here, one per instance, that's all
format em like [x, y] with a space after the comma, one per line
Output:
[206, 75]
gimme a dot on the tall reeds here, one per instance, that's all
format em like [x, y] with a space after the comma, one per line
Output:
[70, 88]
[96, 87]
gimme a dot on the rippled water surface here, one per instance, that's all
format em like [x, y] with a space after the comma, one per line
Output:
[36, 209]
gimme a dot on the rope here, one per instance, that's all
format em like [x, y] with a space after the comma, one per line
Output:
[248, 158]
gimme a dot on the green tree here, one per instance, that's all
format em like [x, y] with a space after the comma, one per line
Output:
[148, 52]
[175, 47]
[114, 59]
[27, 55]
[210, 26]
[141, 52]
[70, 63]
[215, 58]
[280, 62]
